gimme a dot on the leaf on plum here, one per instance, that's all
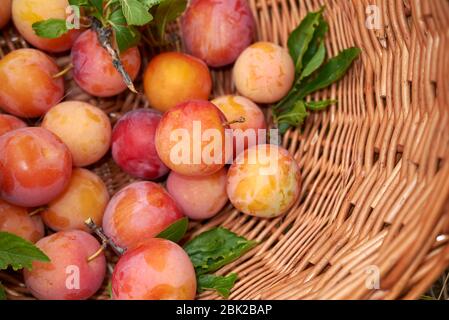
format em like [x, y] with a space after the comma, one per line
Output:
[176, 231]
[168, 11]
[18, 253]
[221, 284]
[216, 248]
[126, 36]
[51, 28]
[135, 12]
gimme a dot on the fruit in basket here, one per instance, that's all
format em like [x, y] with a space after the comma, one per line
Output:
[5, 12]
[157, 269]
[190, 138]
[133, 145]
[27, 12]
[199, 197]
[264, 72]
[218, 31]
[138, 212]
[35, 167]
[28, 88]
[85, 197]
[93, 70]
[9, 123]
[174, 77]
[264, 181]
[69, 275]
[85, 129]
[250, 131]
[17, 220]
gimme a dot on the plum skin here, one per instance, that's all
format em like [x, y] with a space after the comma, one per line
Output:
[173, 77]
[5, 13]
[217, 31]
[199, 197]
[245, 134]
[93, 70]
[264, 72]
[27, 12]
[28, 88]
[85, 197]
[186, 118]
[10, 123]
[133, 145]
[35, 167]
[66, 250]
[17, 220]
[264, 181]
[157, 269]
[139, 211]
[84, 128]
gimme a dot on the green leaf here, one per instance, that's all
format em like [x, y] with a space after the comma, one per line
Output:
[331, 72]
[2, 292]
[318, 38]
[151, 3]
[51, 28]
[79, 3]
[295, 116]
[97, 4]
[216, 248]
[316, 62]
[168, 11]
[135, 12]
[222, 285]
[176, 231]
[18, 253]
[126, 37]
[300, 38]
[319, 105]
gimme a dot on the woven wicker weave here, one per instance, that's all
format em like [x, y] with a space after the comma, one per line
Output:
[375, 169]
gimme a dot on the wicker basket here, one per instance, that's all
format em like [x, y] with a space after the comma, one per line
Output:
[375, 170]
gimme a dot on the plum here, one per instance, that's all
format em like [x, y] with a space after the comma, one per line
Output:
[139, 211]
[191, 138]
[172, 78]
[9, 123]
[133, 145]
[27, 12]
[35, 167]
[157, 269]
[84, 128]
[199, 197]
[28, 88]
[250, 131]
[264, 72]
[93, 70]
[5, 12]
[264, 181]
[70, 274]
[85, 197]
[17, 220]
[218, 31]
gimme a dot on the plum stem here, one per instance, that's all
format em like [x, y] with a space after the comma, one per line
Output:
[105, 240]
[239, 120]
[103, 247]
[104, 35]
[37, 211]
[64, 71]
